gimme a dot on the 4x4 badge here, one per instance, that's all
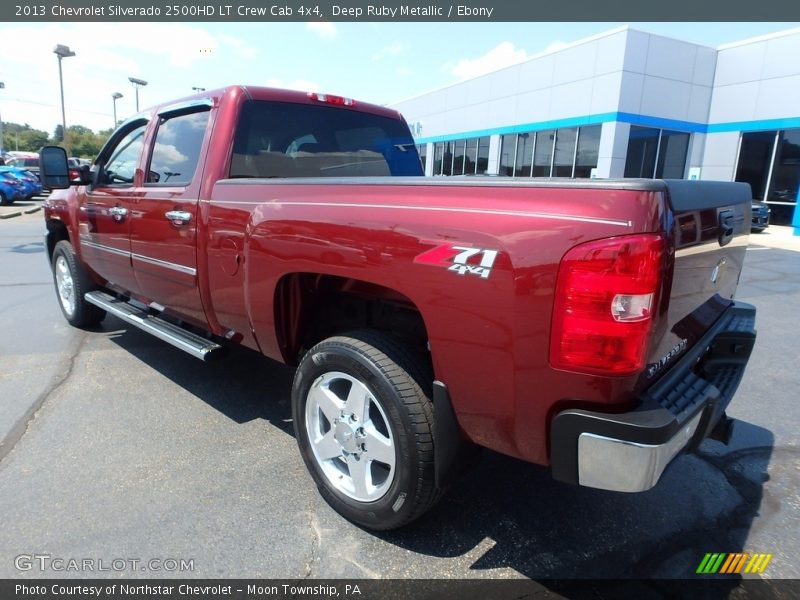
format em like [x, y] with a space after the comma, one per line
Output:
[461, 259]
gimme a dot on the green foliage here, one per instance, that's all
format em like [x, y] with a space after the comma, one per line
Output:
[23, 137]
[80, 141]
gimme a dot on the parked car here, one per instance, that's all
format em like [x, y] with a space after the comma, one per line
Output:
[11, 188]
[589, 325]
[761, 212]
[29, 162]
[32, 184]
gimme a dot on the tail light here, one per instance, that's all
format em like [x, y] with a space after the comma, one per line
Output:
[604, 303]
[331, 99]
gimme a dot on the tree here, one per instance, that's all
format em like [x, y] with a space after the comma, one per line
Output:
[58, 134]
[23, 137]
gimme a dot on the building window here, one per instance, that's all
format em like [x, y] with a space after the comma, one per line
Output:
[770, 162]
[543, 154]
[524, 160]
[482, 164]
[422, 150]
[642, 148]
[564, 156]
[447, 159]
[438, 151]
[508, 148]
[470, 155]
[658, 153]
[459, 151]
[672, 154]
[755, 159]
[785, 177]
[587, 151]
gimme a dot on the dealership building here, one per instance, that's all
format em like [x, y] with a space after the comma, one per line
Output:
[626, 103]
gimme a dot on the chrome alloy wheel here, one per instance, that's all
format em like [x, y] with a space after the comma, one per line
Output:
[65, 285]
[350, 436]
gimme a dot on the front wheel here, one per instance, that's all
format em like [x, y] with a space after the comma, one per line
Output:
[72, 282]
[4, 201]
[364, 426]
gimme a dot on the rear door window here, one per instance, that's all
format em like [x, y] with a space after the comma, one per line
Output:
[280, 139]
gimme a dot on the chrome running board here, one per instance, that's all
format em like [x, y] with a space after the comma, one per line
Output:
[189, 342]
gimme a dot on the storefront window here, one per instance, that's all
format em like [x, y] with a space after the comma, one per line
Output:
[543, 154]
[755, 157]
[438, 151]
[565, 152]
[422, 150]
[785, 177]
[507, 154]
[483, 155]
[470, 156]
[642, 149]
[447, 159]
[459, 150]
[588, 149]
[672, 154]
[522, 165]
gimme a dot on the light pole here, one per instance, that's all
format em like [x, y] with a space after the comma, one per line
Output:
[114, 97]
[137, 83]
[2, 87]
[199, 89]
[62, 52]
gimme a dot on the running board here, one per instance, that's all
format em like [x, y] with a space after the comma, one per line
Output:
[189, 342]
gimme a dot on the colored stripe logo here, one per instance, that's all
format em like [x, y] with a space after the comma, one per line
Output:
[730, 563]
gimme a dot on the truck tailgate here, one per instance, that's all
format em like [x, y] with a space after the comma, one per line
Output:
[710, 230]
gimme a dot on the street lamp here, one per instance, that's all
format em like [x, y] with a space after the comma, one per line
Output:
[62, 52]
[2, 87]
[137, 83]
[199, 89]
[114, 97]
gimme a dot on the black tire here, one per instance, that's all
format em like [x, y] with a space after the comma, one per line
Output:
[390, 372]
[80, 313]
[4, 201]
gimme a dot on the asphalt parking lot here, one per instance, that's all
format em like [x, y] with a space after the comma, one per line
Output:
[116, 445]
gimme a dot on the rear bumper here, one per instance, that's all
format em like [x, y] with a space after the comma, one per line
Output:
[628, 452]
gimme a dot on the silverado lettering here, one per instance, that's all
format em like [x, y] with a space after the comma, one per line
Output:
[569, 323]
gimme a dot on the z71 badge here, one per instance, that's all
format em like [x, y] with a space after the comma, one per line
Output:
[461, 259]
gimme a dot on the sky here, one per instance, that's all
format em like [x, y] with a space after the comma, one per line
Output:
[374, 62]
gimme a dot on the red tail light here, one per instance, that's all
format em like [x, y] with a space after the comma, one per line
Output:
[604, 304]
[331, 99]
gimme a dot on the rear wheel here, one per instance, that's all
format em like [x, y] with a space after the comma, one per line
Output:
[72, 282]
[364, 426]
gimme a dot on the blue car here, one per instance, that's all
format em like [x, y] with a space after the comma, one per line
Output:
[30, 181]
[11, 188]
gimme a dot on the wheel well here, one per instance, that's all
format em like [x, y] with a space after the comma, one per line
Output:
[310, 307]
[56, 232]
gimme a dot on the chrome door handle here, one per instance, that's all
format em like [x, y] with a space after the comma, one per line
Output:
[118, 213]
[178, 217]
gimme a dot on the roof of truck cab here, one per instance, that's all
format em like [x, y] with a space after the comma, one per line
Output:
[281, 95]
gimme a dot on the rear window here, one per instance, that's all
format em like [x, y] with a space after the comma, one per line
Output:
[279, 139]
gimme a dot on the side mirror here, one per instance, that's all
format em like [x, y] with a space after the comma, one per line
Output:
[53, 168]
[84, 175]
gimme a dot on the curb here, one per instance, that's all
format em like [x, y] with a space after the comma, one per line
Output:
[11, 214]
[30, 211]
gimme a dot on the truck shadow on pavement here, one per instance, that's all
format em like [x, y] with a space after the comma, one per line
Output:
[514, 515]
[510, 514]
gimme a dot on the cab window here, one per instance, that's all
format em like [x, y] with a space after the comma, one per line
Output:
[177, 149]
[120, 168]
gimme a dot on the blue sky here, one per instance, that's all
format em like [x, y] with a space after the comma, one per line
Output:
[375, 62]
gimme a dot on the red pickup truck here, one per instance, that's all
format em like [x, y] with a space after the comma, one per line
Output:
[588, 325]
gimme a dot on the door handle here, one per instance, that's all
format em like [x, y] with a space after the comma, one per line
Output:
[118, 213]
[178, 217]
